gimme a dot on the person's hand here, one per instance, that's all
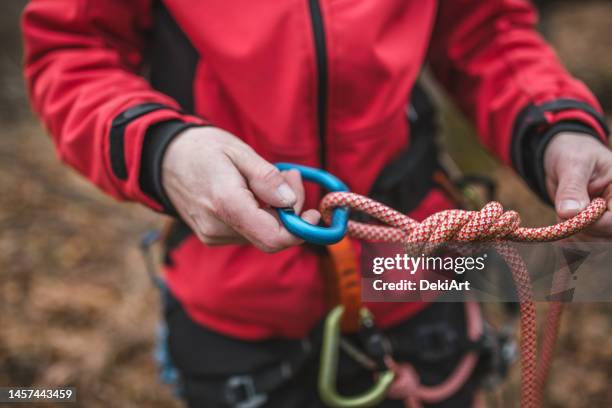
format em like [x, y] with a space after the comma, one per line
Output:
[224, 190]
[579, 168]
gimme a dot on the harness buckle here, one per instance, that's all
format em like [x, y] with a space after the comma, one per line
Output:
[436, 342]
[240, 392]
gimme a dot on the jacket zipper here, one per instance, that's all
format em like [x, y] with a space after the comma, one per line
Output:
[321, 57]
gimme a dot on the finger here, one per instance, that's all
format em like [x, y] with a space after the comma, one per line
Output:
[601, 184]
[236, 239]
[311, 216]
[258, 225]
[294, 179]
[586, 237]
[572, 195]
[602, 228]
[607, 195]
[212, 231]
[265, 180]
[285, 239]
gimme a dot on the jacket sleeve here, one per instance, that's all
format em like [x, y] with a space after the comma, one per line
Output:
[509, 82]
[82, 59]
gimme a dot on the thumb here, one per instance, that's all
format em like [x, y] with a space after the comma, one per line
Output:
[572, 195]
[264, 179]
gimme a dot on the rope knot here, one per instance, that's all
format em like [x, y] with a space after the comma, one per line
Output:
[490, 223]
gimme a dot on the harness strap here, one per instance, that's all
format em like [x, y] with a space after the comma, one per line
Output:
[251, 390]
[407, 385]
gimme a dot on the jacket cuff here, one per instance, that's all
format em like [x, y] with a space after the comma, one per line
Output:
[137, 140]
[156, 141]
[534, 129]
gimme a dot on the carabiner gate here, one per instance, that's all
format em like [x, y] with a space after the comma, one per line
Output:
[329, 366]
[308, 232]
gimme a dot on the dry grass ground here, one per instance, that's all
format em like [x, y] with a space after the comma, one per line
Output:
[76, 306]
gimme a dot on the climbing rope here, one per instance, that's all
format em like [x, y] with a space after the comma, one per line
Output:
[490, 224]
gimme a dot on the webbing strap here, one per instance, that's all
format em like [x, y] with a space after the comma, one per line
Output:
[345, 282]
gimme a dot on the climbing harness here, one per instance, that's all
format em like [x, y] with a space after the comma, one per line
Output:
[490, 224]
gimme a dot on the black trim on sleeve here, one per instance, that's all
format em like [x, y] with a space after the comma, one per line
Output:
[562, 104]
[529, 139]
[117, 135]
[156, 141]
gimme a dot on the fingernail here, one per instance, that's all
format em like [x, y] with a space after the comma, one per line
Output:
[570, 205]
[286, 194]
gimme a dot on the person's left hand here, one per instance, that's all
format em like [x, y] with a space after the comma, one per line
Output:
[579, 168]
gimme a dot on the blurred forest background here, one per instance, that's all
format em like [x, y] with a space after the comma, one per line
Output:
[76, 306]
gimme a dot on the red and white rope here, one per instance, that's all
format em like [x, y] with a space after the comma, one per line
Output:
[491, 223]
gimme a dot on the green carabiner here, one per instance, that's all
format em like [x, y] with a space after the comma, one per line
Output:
[329, 367]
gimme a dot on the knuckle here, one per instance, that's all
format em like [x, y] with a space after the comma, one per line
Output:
[227, 216]
[203, 236]
[205, 205]
[269, 174]
[573, 156]
[265, 248]
[217, 195]
[270, 249]
[205, 239]
[607, 164]
[204, 228]
[270, 244]
[571, 189]
[577, 158]
[217, 203]
[206, 231]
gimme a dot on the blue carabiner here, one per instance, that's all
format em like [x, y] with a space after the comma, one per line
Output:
[308, 232]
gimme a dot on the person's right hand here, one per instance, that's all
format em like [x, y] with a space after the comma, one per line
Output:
[224, 190]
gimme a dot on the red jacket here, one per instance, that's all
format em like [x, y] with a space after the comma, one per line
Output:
[317, 82]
